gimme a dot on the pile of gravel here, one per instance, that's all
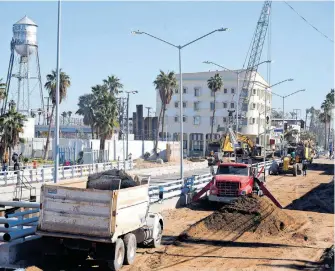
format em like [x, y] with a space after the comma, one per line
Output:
[110, 180]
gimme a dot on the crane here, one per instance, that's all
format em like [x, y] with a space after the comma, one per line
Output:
[254, 58]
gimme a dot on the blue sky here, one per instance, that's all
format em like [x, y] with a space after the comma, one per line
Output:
[96, 42]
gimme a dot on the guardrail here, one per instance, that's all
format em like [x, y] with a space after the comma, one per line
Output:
[20, 225]
[65, 172]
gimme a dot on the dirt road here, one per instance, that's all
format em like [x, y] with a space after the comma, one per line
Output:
[295, 248]
[293, 238]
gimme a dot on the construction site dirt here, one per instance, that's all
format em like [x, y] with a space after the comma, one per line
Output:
[251, 234]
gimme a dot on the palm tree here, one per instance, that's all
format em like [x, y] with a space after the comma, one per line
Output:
[11, 125]
[85, 105]
[64, 114]
[214, 83]
[113, 84]
[69, 114]
[165, 83]
[39, 111]
[105, 113]
[50, 85]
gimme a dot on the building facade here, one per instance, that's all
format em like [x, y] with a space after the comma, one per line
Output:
[198, 106]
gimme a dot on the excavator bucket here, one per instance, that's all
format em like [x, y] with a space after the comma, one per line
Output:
[203, 191]
[267, 193]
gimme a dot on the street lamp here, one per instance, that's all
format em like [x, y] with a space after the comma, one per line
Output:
[237, 72]
[57, 96]
[180, 47]
[127, 135]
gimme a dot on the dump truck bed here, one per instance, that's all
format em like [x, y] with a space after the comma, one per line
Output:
[70, 210]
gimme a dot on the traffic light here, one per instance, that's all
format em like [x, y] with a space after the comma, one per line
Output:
[267, 119]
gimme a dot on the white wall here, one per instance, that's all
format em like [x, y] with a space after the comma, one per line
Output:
[115, 147]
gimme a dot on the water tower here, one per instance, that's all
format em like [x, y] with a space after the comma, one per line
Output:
[23, 84]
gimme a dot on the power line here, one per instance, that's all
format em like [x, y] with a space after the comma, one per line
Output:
[328, 38]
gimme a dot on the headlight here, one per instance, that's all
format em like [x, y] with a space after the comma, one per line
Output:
[243, 192]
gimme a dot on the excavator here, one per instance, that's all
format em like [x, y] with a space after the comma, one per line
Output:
[233, 145]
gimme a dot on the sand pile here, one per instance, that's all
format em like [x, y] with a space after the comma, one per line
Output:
[248, 214]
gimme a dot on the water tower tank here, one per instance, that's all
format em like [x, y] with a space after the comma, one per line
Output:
[24, 36]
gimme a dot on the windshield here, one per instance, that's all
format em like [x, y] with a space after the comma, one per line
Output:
[233, 170]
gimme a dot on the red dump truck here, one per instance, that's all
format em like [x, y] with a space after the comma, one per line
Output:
[233, 180]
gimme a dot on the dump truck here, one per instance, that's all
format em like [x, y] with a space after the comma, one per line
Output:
[233, 180]
[103, 224]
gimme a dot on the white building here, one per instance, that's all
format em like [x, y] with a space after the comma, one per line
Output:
[198, 109]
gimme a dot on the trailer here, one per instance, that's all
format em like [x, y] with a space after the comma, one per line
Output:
[105, 225]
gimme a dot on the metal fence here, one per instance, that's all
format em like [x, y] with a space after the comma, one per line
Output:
[45, 174]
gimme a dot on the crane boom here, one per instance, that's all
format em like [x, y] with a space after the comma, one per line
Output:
[255, 55]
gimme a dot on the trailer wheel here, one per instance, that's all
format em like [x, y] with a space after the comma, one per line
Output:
[130, 247]
[156, 242]
[118, 257]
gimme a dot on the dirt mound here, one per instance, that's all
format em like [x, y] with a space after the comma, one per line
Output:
[111, 180]
[247, 214]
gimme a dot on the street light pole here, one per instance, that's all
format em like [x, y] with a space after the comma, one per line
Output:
[56, 144]
[180, 47]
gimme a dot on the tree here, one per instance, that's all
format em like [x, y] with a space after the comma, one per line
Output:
[69, 114]
[50, 85]
[64, 115]
[165, 83]
[85, 105]
[11, 125]
[113, 84]
[214, 83]
[105, 113]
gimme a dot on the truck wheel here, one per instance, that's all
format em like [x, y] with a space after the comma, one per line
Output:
[156, 242]
[119, 251]
[130, 246]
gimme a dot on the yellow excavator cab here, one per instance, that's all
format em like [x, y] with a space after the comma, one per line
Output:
[286, 163]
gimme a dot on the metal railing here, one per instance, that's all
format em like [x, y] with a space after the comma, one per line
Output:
[19, 225]
[41, 175]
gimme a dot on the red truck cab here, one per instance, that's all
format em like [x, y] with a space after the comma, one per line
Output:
[231, 181]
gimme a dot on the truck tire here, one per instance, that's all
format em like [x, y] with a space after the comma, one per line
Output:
[118, 257]
[156, 242]
[130, 248]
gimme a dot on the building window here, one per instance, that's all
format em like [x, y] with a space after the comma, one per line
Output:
[224, 119]
[225, 91]
[176, 119]
[254, 91]
[184, 90]
[232, 105]
[184, 104]
[196, 92]
[176, 104]
[196, 120]
[212, 106]
[212, 120]
[232, 91]
[196, 106]
[176, 91]
[184, 118]
[224, 105]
